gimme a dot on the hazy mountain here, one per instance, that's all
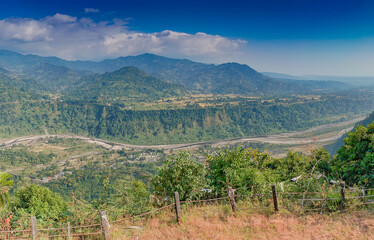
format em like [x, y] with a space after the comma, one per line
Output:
[282, 75]
[358, 81]
[125, 83]
[228, 78]
[316, 85]
[52, 76]
[237, 78]
[350, 80]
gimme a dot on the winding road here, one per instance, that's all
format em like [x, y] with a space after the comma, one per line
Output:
[283, 138]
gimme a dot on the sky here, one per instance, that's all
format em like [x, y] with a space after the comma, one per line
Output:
[324, 37]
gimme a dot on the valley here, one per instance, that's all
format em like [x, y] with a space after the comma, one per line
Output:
[69, 154]
[121, 134]
[214, 120]
[317, 135]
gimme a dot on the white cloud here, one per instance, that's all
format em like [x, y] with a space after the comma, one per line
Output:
[91, 10]
[71, 38]
[171, 42]
[61, 18]
[26, 30]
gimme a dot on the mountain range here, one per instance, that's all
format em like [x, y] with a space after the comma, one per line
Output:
[55, 74]
[358, 81]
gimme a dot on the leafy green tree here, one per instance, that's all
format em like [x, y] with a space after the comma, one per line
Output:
[293, 165]
[6, 183]
[355, 160]
[131, 195]
[238, 168]
[322, 159]
[40, 202]
[180, 173]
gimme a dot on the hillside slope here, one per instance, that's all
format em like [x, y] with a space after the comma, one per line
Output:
[125, 83]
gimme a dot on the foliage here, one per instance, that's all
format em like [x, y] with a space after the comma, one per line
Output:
[181, 174]
[41, 202]
[355, 160]
[16, 157]
[97, 182]
[238, 168]
[291, 166]
[249, 118]
[131, 196]
[6, 183]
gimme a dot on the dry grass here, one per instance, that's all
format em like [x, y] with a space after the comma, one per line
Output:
[218, 222]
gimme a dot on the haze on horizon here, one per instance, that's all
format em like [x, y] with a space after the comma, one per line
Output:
[290, 36]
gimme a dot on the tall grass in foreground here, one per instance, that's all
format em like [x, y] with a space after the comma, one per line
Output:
[219, 222]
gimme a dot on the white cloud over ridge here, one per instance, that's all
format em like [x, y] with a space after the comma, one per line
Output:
[72, 38]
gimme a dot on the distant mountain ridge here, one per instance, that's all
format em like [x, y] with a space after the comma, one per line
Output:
[346, 79]
[227, 78]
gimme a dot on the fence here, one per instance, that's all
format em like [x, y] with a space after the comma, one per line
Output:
[275, 200]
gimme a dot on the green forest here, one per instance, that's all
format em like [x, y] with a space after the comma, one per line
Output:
[249, 118]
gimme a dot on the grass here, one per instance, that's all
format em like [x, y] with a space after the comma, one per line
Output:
[219, 222]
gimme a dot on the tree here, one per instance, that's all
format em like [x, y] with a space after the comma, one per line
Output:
[131, 195]
[6, 183]
[355, 160]
[180, 173]
[293, 165]
[40, 202]
[238, 168]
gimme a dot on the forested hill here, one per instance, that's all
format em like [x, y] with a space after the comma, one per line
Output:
[126, 83]
[175, 125]
[52, 76]
[15, 89]
[3, 70]
[229, 78]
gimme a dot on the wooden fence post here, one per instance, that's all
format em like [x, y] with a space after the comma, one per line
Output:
[178, 210]
[69, 231]
[105, 224]
[275, 197]
[342, 196]
[232, 199]
[33, 228]
[363, 196]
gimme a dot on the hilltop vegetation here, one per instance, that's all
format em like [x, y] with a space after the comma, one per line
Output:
[126, 83]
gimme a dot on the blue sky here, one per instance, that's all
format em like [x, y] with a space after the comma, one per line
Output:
[289, 36]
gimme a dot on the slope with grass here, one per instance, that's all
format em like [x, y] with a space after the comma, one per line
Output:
[218, 222]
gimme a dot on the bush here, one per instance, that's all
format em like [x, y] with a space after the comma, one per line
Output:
[238, 168]
[41, 202]
[180, 173]
[355, 160]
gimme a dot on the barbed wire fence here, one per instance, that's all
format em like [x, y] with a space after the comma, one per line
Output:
[272, 198]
